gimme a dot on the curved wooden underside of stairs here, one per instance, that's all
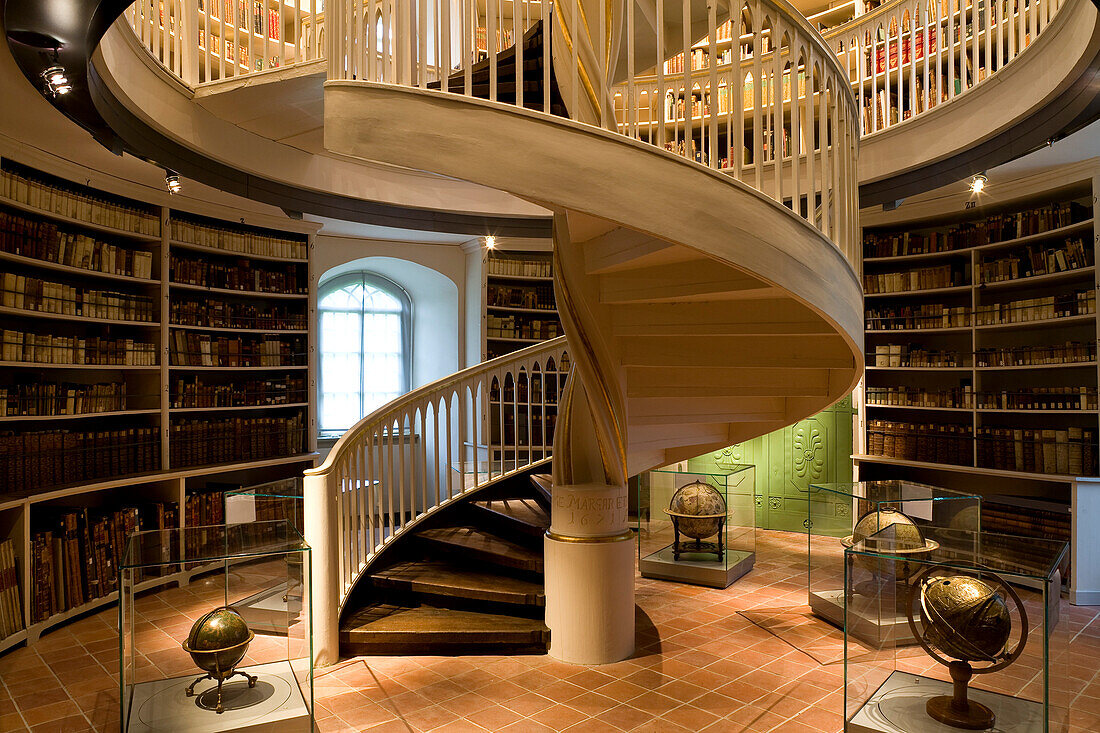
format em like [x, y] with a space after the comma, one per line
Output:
[725, 314]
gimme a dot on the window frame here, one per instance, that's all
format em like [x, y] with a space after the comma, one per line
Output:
[377, 281]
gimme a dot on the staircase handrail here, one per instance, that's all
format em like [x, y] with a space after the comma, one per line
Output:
[423, 395]
[422, 451]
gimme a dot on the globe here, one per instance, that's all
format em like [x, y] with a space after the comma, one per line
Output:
[217, 643]
[905, 534]
[698, 510]
[893, 533]
[965, 618]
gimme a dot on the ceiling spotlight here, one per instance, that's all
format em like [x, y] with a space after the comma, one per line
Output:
[490, 241]
[172, 180]
[977, 183]
[56, 81]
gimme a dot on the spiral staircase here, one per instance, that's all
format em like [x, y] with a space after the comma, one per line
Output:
[699, 311]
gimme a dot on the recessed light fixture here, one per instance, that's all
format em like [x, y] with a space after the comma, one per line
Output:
[172, 180]
[490, 241]
[977, 183]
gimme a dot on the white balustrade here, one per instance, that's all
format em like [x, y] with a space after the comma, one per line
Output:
[718, 90]
[905, 58]
[802, 155]
[210, 40]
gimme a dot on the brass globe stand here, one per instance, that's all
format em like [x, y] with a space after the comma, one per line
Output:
[957, 710]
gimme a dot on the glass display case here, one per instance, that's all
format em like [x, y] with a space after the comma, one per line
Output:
[230, 648]
[992, 649]
[842, 513]
[696, 527]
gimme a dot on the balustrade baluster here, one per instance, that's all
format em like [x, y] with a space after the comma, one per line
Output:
[446, 62]
[547, 39]
[369, 505]
[422, 460]
[437, 452]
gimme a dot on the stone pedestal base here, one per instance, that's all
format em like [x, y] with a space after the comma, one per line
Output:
[589, 561]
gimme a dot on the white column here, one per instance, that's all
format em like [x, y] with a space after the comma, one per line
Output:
[589, 559]
[322, 536]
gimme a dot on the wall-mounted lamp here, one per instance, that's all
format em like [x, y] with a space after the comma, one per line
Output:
[172, 180]
[490, 241]
[977, 183]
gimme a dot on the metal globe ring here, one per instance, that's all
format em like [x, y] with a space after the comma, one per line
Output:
[1009, 657]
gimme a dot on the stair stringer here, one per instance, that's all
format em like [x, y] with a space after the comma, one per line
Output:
[602, 182]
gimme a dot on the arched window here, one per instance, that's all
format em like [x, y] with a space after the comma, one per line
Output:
[365, 327]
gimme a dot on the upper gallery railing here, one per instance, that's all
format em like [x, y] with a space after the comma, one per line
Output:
[209, 40]
[802, 155]
[897, 58]
[906, 57]
[424, 450]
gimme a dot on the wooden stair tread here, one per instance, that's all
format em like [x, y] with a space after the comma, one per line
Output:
[484, 546]
[542, 483]
[391, 629]
[527, 511]
[438, 577]
[423, 619]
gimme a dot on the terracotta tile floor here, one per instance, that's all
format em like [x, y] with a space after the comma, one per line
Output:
[707, 660]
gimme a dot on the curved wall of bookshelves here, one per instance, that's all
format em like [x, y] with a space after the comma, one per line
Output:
[152, 358]
[981, 334]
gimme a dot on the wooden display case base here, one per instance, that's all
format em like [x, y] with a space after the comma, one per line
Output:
[697, 568]
[899, 706]
[274, 705]
[871, 628]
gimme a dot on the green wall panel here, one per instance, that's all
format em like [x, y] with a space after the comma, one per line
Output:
[817, 449]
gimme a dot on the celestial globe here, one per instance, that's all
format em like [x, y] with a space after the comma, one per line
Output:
[699, 510]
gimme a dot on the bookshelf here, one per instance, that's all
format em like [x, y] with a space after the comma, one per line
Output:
[981, 337]
[518, 293]
[516, 309]
[147, 352]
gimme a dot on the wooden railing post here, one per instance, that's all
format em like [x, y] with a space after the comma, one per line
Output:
[322, 534]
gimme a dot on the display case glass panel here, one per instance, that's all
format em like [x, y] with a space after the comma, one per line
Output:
[993, 645]
[845, 512]
[696, 527]
[241, 613]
